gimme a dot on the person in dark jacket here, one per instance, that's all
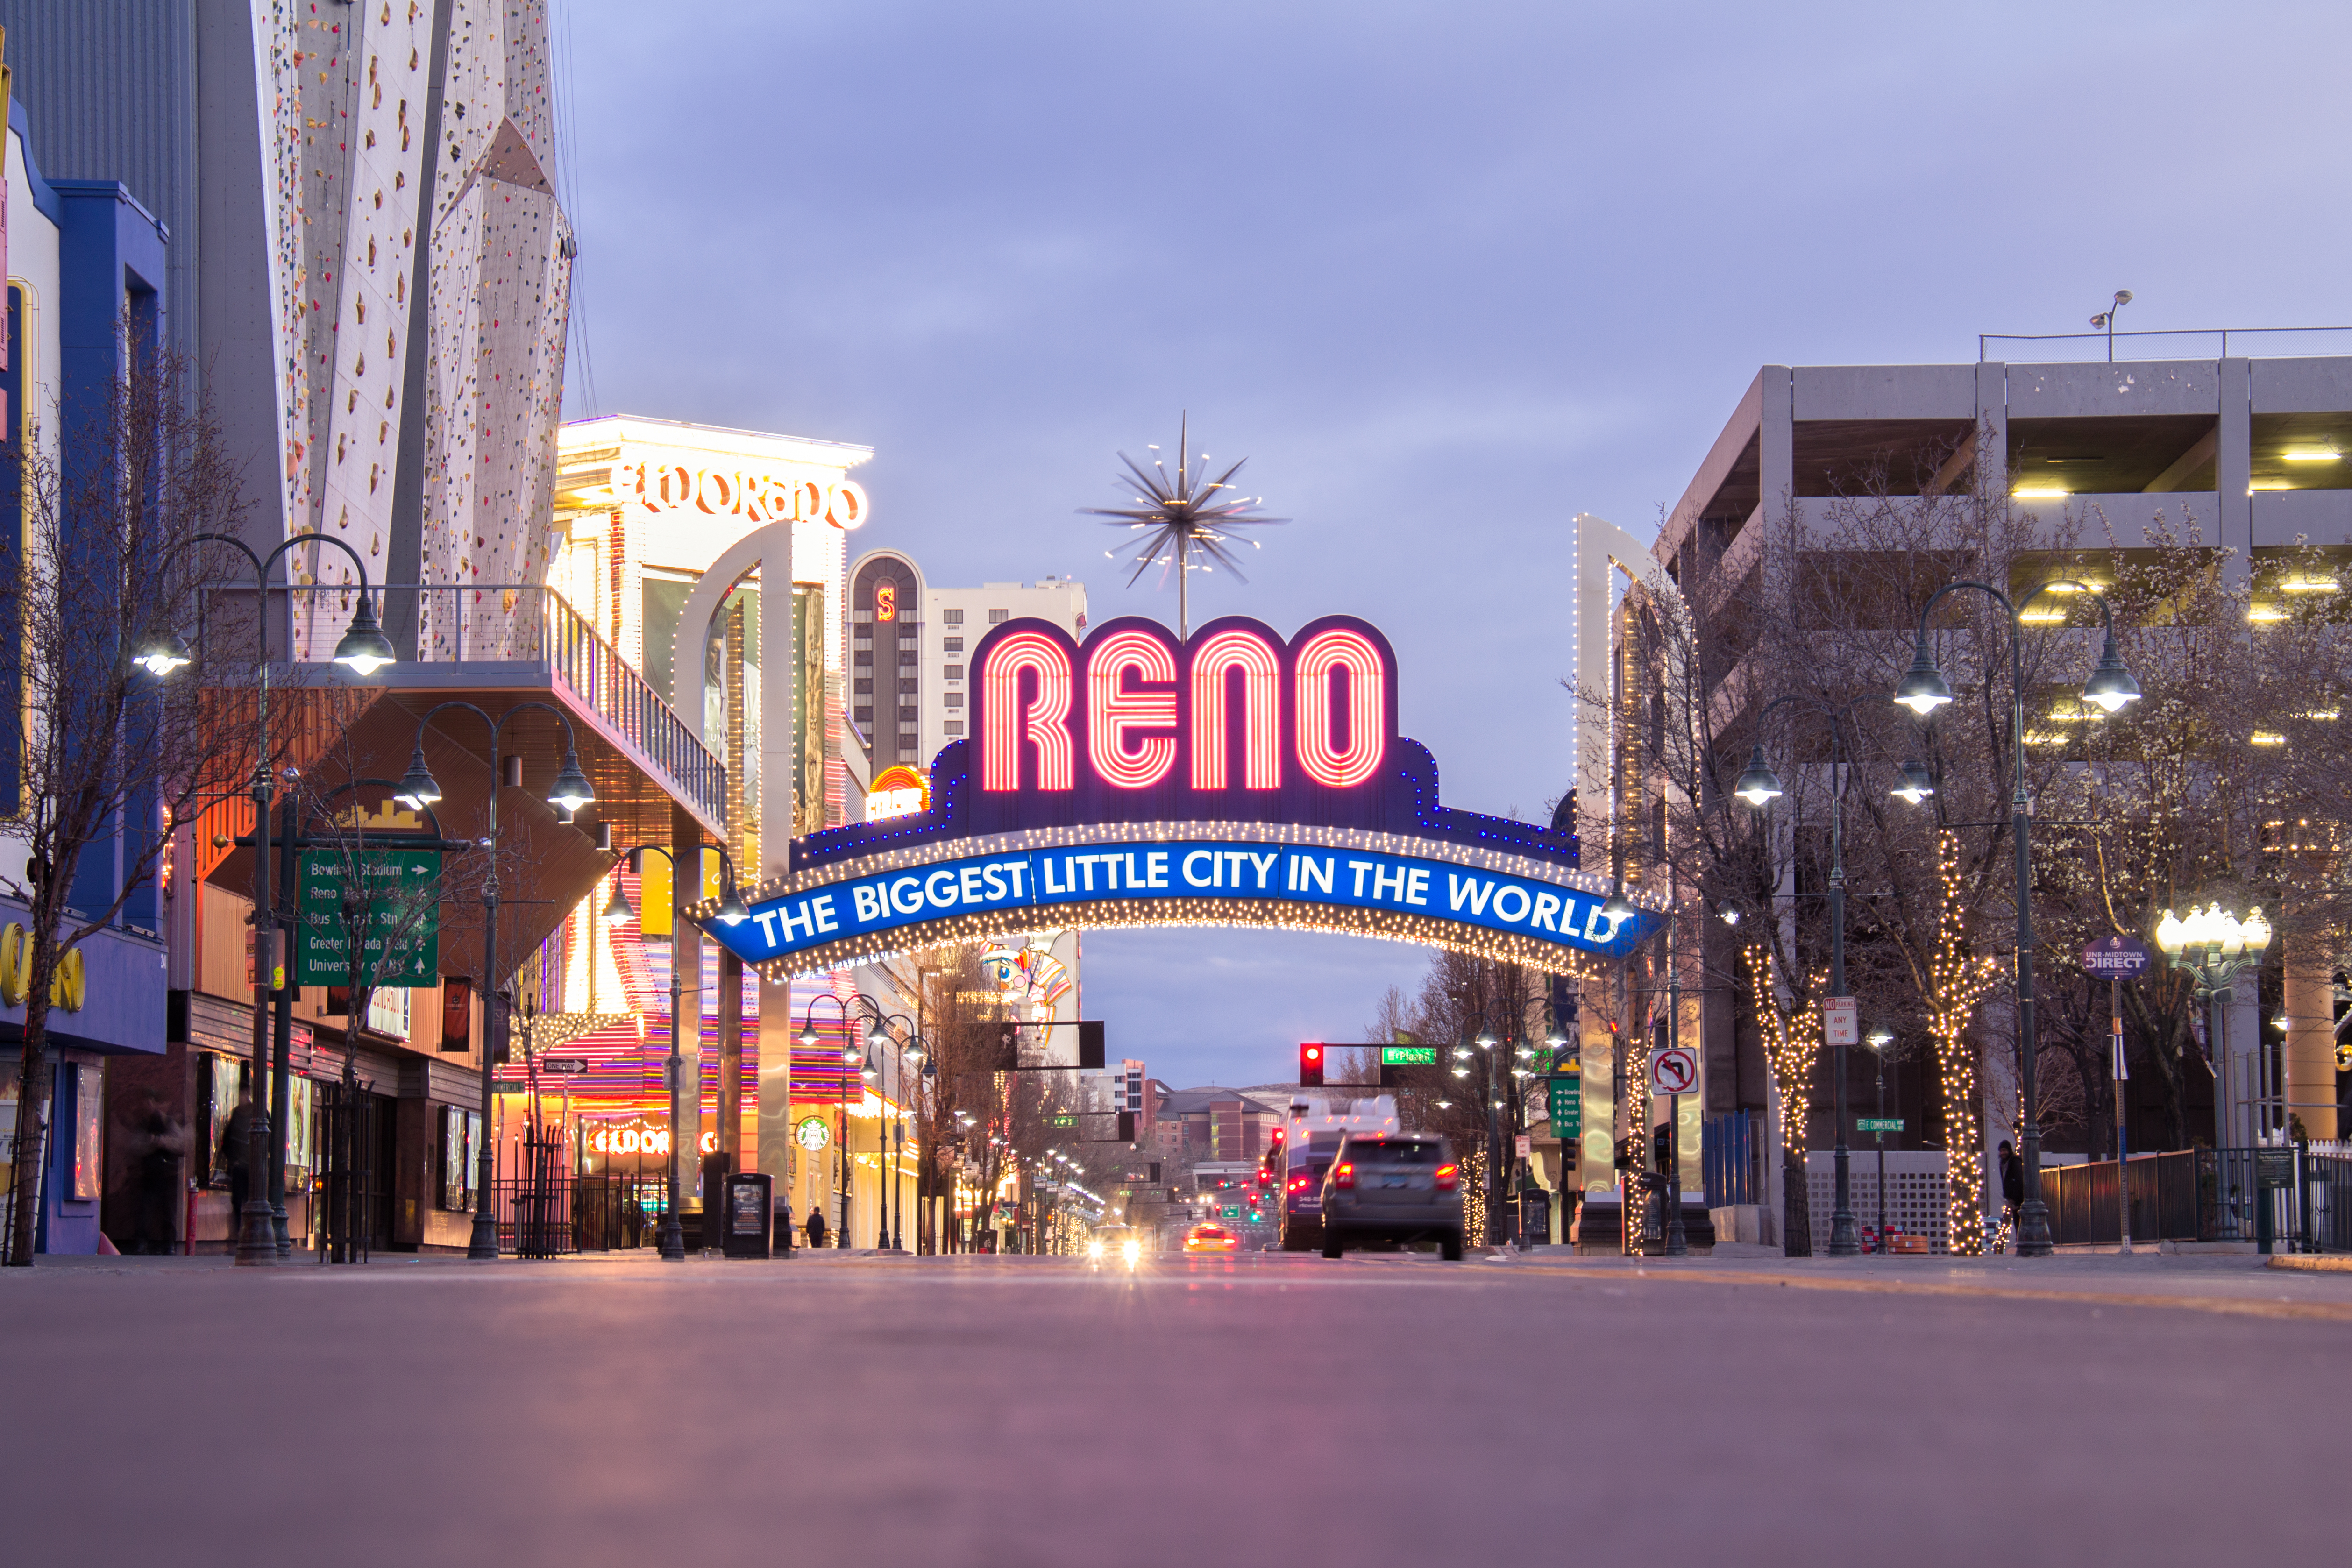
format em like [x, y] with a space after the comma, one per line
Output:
[816, 1228]
[162, 1142]
[236, 1144]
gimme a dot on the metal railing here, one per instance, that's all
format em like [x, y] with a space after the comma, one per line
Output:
[2219, 335]
[520, 624]
[2290, 1197]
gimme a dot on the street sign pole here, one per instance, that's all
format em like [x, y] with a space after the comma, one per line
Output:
[2120, 959]
[2118, 1071]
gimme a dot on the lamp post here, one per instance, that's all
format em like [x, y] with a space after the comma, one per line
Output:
[1923, 690]
[809, 1041]
[363, 649]
[570, 791]
[671, 1241]
[2213, 948]
[1878, 1039]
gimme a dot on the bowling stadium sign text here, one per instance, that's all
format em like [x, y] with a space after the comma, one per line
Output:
[1236, 777]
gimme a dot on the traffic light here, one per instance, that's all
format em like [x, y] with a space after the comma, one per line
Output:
[1310, 1067]
[1126, 1126]
[1008, 1047]
[1091, 1045]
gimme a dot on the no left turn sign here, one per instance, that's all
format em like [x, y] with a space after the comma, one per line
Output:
[1675, 1071]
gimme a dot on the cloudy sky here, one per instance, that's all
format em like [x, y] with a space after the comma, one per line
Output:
[1446, 273]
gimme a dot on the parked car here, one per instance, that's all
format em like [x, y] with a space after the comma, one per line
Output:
[1392, 1186]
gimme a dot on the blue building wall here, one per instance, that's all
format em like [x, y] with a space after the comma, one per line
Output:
[111, 261]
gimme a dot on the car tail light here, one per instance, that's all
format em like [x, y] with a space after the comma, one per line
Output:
[1449, 1178]
[1343, 1175]
[1298, 1183]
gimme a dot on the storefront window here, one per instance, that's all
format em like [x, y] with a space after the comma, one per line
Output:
[89, 1100]
[220, 1102]
[301, 1126]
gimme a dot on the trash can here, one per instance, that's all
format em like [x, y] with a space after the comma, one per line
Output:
[745, 1213]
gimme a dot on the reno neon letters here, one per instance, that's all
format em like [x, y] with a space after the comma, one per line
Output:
[1239, 706]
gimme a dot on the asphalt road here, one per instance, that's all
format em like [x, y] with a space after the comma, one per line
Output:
[1262, 1410]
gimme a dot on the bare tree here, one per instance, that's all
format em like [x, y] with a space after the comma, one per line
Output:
[103, 750]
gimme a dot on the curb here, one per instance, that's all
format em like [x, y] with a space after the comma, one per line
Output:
[2333, 1263]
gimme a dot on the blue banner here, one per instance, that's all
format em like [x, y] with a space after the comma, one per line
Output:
[1207, 871]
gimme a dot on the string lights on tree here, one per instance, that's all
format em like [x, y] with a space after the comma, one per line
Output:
[1957, 980]
[1792, 1044]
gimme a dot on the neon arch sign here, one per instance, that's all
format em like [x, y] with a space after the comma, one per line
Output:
[1236, 776]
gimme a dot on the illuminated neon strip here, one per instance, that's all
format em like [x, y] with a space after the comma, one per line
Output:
[1340, 649]
[1112, 712]
[1261, 671]
[1045, 721]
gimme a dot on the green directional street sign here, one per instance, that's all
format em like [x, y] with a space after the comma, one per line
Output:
[1230, 1212]
[1408, 1056]
[404, 916]
[1568, 1105]
[1878, 1124]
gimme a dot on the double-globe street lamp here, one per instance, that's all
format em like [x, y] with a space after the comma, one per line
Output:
[1923, 690]
[909, 1044]
[363, 649]
[2213, 948]
[670, 1240]
[851, 1056]
[419, 788]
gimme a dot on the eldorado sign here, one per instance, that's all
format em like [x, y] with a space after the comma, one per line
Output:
[1235, 778]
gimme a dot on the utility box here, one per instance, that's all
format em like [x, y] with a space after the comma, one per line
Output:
[743, 1217]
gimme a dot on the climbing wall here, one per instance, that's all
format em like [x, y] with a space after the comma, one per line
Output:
[501, 270]
[369, 92]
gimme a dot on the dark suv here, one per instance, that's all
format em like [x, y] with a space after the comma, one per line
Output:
[1392, 1186]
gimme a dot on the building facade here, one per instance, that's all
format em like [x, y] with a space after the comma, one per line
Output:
[2251, 450]
[907, 643]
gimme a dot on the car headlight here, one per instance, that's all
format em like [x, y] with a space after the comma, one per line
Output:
[1132, 1251]
[1094, 1248]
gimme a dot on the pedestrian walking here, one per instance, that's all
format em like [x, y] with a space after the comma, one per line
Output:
[162, 1142]
[816, 1228]
[2012, 1193]
[237, 1143]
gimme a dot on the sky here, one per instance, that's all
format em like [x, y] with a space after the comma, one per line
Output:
[1447, 274]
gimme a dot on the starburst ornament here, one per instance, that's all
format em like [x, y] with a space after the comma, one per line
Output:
[1191, 515]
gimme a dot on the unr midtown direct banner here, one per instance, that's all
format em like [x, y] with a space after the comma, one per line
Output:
[1208, 870]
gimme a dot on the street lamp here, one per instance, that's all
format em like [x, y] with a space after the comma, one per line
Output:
[570, 791]
[1923, 690]
[2213, 948]
[261, 1225]
[671, 1238]
[1878, 1039]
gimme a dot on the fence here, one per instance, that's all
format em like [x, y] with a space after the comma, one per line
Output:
[1916, 1193]
[2299, 1197]
[1731, 1154]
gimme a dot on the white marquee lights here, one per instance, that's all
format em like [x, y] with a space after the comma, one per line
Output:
[667, 486]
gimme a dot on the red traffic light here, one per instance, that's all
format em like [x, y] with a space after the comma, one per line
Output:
[1310, 1067]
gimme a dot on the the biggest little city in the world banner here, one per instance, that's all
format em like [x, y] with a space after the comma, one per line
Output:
[1235, 778]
